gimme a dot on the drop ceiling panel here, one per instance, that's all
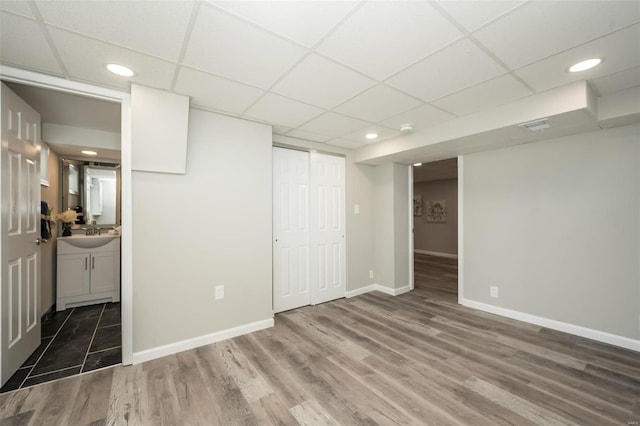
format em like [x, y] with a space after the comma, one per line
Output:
[220, 93]
[343, 143]
[322, 82]
[620, 51]
[451, 69]
[23, 44]
[333, 124]
[470, 16]
[21, 7]
[135, 24]
[305, 22]
[279, 110]
[421, 117]
[310, 136]
[226, 46]
[619, 81]
[383, 134]
[382, 38]
[378, 103]
[85, 59]
[542, 28]
[497, 91]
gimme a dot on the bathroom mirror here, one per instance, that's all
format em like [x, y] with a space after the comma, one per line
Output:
[92, 189]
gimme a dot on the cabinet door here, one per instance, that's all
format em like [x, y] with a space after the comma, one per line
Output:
[73, 275]
[105, 272]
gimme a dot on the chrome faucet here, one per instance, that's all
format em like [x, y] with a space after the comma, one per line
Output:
[93, 229]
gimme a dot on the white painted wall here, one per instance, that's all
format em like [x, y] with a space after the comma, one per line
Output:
[208, 227]
[69, 135]
[401, 224]
[108, 202]
[556, 226]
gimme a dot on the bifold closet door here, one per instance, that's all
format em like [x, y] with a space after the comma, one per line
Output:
[327, 224]
[290, 229]
[308, 228]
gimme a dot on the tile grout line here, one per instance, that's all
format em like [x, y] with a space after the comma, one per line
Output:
[104, 350]
[48, 346]
[55, 371]
[92, 337]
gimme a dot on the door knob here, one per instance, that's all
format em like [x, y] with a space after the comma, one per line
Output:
[40, 241]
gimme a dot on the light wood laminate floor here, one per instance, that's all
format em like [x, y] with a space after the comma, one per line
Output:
[417, 358]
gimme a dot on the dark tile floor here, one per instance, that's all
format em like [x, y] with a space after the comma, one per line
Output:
[73, 341]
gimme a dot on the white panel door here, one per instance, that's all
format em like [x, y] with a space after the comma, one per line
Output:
[327, 222]
[19, 233]
[290, 229]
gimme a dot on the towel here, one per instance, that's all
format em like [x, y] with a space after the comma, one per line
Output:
[45, 222]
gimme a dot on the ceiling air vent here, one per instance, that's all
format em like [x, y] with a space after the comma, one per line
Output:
[536, 125]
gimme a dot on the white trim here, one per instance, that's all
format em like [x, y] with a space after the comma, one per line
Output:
[460, 228]
[411, 231]
[436, 253]
[380, 288]
[56, 83]
[207, 339]
[600, 336]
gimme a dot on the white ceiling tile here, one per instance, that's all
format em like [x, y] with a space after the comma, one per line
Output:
[472, 14]
[23, 44]
[85, 59]
[451, 69]
[343, 143]
[310, 136]
[319, 81]
[21, 7]
[333, 124]
[305, 22]
[154, 27]
[280, 130]
[278, 110]
[619, 81]
[214, 92]
[542, 28]
[381, 38]
[383, 134]
[226, 46]
[378, 103]
[422, 118]
[620, 51]
[498, 91]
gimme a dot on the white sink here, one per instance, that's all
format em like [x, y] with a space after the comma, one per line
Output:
[88, 241]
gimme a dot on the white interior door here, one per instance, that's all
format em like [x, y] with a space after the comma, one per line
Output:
[290, 229]
[327, 222]
[20, 232]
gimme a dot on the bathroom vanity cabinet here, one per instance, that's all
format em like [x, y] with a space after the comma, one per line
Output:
[88, 271]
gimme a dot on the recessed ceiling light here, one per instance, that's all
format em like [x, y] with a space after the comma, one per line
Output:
[417, 164]
[371, 136]
[120, 70]
[89, 152]
[585, 65]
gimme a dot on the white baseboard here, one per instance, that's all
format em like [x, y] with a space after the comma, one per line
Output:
[377, 287]
[436, 253]
[600, 336]
[183, 345]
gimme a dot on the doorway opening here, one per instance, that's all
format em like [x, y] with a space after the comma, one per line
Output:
[98, 331]
[435, 229]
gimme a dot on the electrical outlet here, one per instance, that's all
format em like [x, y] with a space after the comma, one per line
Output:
[493, 291]
[371, 274]
[356, 209]
[219, 292]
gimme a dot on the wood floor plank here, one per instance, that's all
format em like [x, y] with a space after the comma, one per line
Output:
[419, 358]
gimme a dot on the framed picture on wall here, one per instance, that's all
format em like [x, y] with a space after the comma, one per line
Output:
[436, 211]
[417, 205]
